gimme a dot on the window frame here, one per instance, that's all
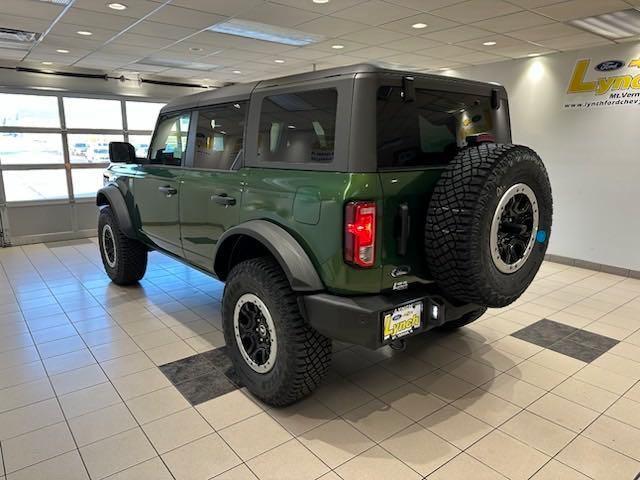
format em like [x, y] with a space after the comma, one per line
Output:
[344, 88]
[187, 159]
[64, 132]
[195, 117]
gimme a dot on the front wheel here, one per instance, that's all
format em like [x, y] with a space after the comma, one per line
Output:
[124, 259]
[277, 355]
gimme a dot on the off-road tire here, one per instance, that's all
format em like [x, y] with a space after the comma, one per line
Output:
[130, 255]
[303, 355]
[466, 319]
[459, 217]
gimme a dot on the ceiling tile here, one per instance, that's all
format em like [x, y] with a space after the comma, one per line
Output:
[61, 41]
[220, 7]
[275, 14]
[23, 23]
[32, 9]
[409, 60]
[447, 51]
[322, 8]
[423, 5]
[69, 30]
[135, 9]
[412, 44]
[553, 30]
[478, 58]
[185, 17]
[374, 12]
[373, 53]
[235, 54]
[88, 18]
[142, 40]
[581, 40]
[11, 54]
[308, 53]
[119, 49]
[476, 10]
[155, 29]
[433, 23]
[501, 42]
[581, 8]
[331, 26]
[514, 21]
[374, 36]
[529, 4]
[520, 51]
[457, 34]
[348, 46]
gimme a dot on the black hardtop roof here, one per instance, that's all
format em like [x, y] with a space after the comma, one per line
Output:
[240, 91]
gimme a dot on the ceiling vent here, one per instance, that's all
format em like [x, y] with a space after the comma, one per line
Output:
[17, 39]
[614, 25]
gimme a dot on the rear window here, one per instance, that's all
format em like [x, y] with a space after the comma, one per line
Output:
[430, 130]
[298, 127]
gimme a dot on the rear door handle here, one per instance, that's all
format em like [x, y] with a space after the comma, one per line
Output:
[223, 199]
[168, 190]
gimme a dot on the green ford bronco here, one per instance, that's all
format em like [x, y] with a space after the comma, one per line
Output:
[358, 204]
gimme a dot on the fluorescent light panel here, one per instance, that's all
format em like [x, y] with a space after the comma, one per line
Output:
[265, 32]
[615, 25]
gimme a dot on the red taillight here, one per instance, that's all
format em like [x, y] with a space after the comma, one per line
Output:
[360, 233]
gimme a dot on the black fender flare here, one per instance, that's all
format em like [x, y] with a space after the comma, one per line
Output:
[110, 195]
[286, 250]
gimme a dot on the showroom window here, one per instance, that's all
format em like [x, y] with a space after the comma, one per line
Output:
[55, 147]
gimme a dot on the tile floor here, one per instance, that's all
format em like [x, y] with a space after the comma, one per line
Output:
[82, 395]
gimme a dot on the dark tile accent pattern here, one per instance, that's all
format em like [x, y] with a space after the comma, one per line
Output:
[570, 341]
[204, 376]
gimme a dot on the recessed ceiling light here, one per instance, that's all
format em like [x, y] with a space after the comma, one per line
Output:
[622, 24]
[117, 6]
[195, 49]
[337, 47]
[47, 63]
[85, 33]
[320, 1]
[237, 72]
[279, 61]
[419, 25]
[62, 50]
[489, 44]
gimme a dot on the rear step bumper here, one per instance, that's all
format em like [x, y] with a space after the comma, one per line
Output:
[359, 320]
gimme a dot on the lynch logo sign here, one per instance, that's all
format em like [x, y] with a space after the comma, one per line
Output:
[606, 83]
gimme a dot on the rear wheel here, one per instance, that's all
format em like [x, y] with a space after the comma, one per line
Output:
[488, 224]
[124, 259]
[276, 353]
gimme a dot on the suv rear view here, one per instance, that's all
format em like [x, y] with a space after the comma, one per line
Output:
[357, 204]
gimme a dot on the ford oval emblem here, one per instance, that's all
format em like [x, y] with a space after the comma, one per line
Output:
[610, 65]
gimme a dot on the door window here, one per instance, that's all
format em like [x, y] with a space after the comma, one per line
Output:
[220, 136]
[170, 140]
[298, 127]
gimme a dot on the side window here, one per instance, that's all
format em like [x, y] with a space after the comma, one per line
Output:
[220, 136]
[170, 140]
[298, 127]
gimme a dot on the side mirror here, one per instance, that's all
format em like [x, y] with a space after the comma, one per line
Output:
[122, 152]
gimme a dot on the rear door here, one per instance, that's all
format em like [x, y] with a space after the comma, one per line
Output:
[415, 142]
[157, 183]
[212, 186]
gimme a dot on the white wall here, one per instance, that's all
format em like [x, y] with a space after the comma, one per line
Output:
[592, 155]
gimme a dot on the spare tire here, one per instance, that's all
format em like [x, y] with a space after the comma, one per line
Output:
[488, 224]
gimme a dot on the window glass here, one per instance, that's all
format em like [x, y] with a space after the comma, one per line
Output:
[141, 144]
[219, 136]
[86, 181]
[430, 130]
[298, 127]
[170, 141]
[142, 115]
[23, 185]
[90, 147]
[30, 148]
[92, 113]
[28, 111]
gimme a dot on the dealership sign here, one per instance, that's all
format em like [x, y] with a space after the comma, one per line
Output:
[605, 83]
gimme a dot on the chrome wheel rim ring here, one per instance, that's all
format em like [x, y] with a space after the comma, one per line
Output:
[255, 333]
[517, 209]
[109, 246]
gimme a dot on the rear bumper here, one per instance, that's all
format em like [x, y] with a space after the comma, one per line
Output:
[359, 320]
